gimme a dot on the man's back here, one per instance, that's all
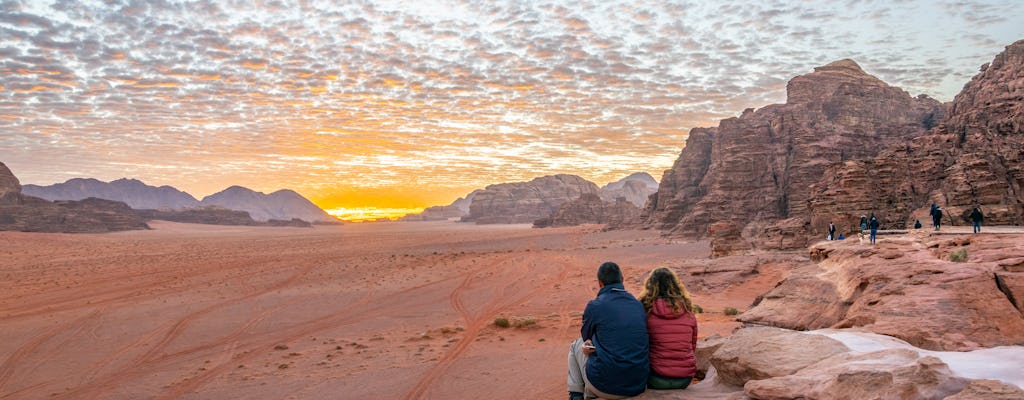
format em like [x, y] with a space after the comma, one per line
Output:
[617, 325]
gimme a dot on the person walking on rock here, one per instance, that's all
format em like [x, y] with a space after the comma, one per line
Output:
[937, 218]
[863, 224]
[672, 327]
[831, 231]
[977, 217]
[874, 227]
[610, 358]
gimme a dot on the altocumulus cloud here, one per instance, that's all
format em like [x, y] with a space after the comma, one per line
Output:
[443, 96]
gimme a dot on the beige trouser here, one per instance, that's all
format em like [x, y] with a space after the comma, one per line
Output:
[577, 380]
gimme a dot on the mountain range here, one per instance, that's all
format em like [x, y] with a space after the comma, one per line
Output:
[280, 205]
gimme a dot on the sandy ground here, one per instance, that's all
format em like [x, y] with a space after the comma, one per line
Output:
[389, 311]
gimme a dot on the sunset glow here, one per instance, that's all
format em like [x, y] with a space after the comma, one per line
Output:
[378, 107]
[371, 213]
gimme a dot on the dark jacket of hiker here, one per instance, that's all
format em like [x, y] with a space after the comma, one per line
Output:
[874, 223]
[937, 216]
[616, 324]
[673, 341]
[977, 216]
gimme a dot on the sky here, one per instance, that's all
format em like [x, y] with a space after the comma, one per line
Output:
[390, 106]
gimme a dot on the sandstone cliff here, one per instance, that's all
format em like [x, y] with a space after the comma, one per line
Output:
[526, 202]
[846, 145]
[592, 209]
[973, 158]
[32, 214]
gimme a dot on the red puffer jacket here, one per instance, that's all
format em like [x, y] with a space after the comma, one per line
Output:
[673, 341]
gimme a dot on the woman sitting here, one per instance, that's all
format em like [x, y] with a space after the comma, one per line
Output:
[672, 327]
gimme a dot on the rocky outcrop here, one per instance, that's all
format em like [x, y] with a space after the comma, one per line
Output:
[883, 374]
[457, 209]
[754, 170]
[19, 212]
[763, 352]
[888, 287]
[592, 209]
[526, 202]
[210, 215]
[133, 192]
[988, 389]
[282, 205]
[972, 158]
[771, 363]
[635, 188]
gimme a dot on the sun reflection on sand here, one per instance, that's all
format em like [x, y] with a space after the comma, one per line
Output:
[370, 213]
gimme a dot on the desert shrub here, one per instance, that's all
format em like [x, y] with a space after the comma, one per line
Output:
[959, 255]
[697, 309]
[525, 322]
[502, 322]
[731, 311]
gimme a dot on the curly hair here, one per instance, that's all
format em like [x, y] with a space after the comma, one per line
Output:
[664, 284]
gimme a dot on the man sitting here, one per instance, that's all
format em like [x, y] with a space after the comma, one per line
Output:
[610, 359]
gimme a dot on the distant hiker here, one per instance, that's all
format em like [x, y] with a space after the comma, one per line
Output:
[831, 231]
[932, 212]
[610, 359]
[917, 224]
[863, 223]
[672, 327]
[937, 218]
[977, 217]
[841, 237]
[874, 227]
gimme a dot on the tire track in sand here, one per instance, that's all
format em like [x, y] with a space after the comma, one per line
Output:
[476, 323]
[29, 348]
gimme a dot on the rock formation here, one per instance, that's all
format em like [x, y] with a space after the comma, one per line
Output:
[592, 209]
[210, 215]
[457, 209]
[526, 202]
[19, 212]
[635, 188]
[133, 192]
[887, 289]
[282, 205]
[754, 170]
[972, 158]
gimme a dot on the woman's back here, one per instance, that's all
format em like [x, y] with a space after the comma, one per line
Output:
[673, 338]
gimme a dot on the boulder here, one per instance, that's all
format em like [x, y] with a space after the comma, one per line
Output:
[988, 389]
[884, 374]
[764, 352]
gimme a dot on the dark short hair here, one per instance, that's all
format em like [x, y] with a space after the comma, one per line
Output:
[609, 273]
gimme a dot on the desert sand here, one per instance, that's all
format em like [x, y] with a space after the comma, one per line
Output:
[387, 310]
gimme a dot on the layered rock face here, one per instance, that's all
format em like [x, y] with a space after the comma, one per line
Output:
[32, 214]
[635, 188]
[889, 287]
[592, 209]
[135, 193]
[526, 202]
[210, 215]
[755, 170]
[973, 158]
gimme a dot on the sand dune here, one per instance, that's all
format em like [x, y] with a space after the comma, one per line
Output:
[399, 310]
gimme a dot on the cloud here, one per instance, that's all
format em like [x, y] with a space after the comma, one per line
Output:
[451, 95]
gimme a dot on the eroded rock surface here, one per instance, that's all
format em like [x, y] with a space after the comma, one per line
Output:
[887, 289]
[526, 202]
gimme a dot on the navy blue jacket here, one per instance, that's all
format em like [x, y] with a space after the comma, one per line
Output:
[617, 325]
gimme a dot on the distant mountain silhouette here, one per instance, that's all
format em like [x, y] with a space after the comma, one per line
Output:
[132, 192]
[281, 205]
[635, 188]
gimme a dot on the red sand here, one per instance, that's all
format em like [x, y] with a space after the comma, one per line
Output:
[390, 310]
